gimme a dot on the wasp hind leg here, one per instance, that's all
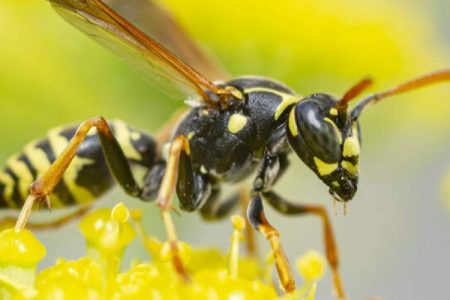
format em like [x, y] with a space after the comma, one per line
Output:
[53, 224]
[214, 209]
[115, 157]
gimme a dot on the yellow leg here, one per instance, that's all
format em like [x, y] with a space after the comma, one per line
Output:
[257, 218]
[53, 224]
[179, 144]
[250, 239]
[331, 250]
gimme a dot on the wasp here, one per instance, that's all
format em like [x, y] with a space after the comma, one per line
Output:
[234, 129]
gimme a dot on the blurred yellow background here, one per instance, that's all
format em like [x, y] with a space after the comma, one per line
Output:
[395, 240]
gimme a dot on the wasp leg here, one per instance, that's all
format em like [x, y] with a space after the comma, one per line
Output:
[152, 181]
[289, 208]
[250, 239]
[53, 224]
[214, 209]
[178, 148]
[256, 216]
[117, 162]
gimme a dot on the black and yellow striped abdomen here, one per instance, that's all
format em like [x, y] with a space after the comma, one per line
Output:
[86, 178]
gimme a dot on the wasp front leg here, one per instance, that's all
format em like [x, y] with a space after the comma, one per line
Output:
[270, 171]
[257, 218]
[288, 208]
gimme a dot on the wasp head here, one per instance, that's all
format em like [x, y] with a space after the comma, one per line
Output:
[327, 140]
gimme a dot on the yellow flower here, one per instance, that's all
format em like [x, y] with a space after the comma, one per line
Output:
[311, 266]
[80, 279]
[213, 274]
[20, 248]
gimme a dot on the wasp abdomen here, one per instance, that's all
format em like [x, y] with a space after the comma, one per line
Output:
[86, 178]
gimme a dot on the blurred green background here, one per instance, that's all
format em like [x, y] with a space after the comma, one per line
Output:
[395, 241]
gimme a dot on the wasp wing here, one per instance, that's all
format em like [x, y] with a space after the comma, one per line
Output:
[156, 21]
[103, 24]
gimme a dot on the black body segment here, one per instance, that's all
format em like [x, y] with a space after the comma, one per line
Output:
[227, 145]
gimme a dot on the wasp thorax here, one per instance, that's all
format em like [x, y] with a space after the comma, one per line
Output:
[327, 141]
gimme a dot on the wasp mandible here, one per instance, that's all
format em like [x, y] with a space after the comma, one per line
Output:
[235, 128]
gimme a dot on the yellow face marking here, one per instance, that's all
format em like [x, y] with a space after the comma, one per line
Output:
[236, 123]
[351, 146]
[351, 168]
[324, 168]
[333, 111]
[336, 129]
[292, 123]
[25, 178]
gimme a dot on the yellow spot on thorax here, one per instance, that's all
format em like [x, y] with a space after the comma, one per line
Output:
[292, 123]
[333, 111]
[236, 123]
[324, 168]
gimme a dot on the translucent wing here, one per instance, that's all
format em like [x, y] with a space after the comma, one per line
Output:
[156, 21]
[103, 24]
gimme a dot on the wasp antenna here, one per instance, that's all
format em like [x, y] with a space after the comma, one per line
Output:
[353, 92]
[435, 77]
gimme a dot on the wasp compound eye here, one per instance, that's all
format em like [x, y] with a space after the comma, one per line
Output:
[314, 135]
